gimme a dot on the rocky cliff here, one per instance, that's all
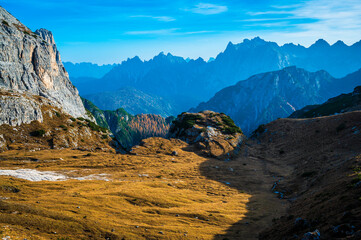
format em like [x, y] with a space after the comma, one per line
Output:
[30, 63]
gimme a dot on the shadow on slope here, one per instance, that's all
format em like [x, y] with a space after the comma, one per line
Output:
[314, 163]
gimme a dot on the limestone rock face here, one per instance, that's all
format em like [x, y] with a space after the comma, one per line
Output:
[16, 110]
[30, 63]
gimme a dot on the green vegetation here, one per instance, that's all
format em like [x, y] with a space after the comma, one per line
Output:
[230, 127]
[336, 105]
[93, 126]
[57, 114]
[63, 127]
[73, 119]
[88, 113]
[81, 119]
[332, 106]
[38, 133]
[187, 121]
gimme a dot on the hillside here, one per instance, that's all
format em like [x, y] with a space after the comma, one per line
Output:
[295, 177]
[133, 101]
[323, 181]
[54, 130]
[268, 96]
[129, 129]
[179, 81]
[340, 104]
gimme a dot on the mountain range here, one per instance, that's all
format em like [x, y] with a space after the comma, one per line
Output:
[134, 101]
[265, 97]
[184, 84]
[196, 176]
[85, 69]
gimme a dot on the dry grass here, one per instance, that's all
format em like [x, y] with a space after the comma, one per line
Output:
[151, 196]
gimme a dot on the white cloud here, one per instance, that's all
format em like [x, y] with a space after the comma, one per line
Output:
[208, 9]
[330, 20]
[159, 18]
[153, 32]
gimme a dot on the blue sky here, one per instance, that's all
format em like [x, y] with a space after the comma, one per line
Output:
[109, 31]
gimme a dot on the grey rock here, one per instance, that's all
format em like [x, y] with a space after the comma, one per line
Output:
[30, 63]
[17, 109]
[2, 142]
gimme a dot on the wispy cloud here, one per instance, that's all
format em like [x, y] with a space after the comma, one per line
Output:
[276, 12]
[196, 32]
[170, 31]
[332, 20]
[159, 18]
[153, 32]
[208, 9]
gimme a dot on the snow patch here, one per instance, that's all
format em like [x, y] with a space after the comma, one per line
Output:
[37, 176]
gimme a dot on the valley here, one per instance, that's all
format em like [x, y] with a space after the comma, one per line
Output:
[153, 193]
[274, 154]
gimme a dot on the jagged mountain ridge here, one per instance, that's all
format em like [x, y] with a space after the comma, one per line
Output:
[86, 69]
[30, 63]
[268, 96]
[180, 81]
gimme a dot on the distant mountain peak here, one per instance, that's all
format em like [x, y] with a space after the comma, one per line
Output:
[230, 46]
[320, 43]
[211, 59]
[135, 59]
[339, 43]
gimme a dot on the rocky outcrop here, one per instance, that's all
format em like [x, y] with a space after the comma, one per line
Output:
[215, 134]
[30, 63]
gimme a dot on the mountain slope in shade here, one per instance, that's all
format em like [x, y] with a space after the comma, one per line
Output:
[268, 96]
[340, 104]
[84, 69]
[190, 82]
[128, 129]
[133, 101]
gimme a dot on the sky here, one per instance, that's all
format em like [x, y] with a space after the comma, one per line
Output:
[110, 31]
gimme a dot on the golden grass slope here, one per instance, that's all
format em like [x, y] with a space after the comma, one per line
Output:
[149, 196]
